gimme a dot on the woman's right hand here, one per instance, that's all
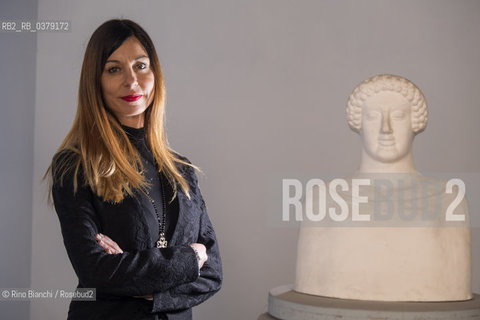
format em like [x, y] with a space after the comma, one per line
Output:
[110, 246]
[201, 252]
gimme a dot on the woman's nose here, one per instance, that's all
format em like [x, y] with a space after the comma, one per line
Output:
[386, 125]
[130, 78]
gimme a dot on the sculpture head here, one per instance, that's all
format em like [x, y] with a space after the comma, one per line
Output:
[387, 111]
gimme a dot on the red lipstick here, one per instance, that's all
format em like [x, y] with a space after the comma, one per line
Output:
[132, 97]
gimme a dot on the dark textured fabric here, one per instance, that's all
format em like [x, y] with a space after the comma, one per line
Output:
[150, 168]
[169, 274]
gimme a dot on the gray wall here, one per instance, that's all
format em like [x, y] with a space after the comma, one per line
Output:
[256, 92]
[17, 92]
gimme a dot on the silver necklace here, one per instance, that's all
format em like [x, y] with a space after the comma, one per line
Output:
[162, 241]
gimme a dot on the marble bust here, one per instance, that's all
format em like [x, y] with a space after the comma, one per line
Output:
[403, 257]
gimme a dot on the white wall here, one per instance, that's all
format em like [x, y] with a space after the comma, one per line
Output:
[256, 92]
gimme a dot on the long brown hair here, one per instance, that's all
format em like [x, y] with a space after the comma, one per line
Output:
[110, 164]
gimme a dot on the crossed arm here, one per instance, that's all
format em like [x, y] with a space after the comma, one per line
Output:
[111, 247]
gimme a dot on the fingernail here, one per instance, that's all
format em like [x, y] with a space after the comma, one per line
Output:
[101, 241]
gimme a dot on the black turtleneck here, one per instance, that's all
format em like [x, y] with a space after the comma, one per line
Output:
[138, 139]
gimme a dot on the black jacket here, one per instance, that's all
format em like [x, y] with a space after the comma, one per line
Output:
[169, 274]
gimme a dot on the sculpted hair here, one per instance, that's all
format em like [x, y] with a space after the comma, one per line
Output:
[96, 145]
[387, 82]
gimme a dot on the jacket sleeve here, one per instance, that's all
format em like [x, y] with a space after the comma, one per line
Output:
[134, 273]
[188, 295]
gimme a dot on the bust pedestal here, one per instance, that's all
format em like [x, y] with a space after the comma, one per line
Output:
[286, 304]
[409, 249]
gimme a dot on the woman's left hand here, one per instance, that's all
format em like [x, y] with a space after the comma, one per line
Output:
[110, 246]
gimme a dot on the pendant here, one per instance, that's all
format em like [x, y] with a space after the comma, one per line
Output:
[162, 242]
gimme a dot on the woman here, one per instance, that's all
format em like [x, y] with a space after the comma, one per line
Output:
[133, 219]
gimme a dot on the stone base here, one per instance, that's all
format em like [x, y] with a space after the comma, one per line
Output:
[286, 304]
[266, 316]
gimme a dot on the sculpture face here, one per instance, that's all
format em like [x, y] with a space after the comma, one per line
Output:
[386, 126]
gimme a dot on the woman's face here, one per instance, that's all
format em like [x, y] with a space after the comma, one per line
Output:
[128, 83]
[386, 126]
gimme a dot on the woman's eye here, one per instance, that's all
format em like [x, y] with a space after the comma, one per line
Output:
[113, 69]
[142, 66]
[372, 115]
[398, 114]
